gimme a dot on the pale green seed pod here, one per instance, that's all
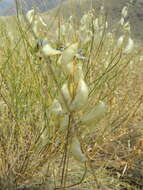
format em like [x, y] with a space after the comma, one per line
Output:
[65, 92]
[63, 29]
[96, 24]
[81, 97]
[122, 21]
[30, 15]
[69, 54]
[85, 35]
[41, 21]
[127, 27]
[66, 96]
[35, 27]
[86, 20]
[36, 21]
[69, 68]
[79, 73]
[125, 11]
[95, 114]
[128, 44]
[49, 51]
[76, 150]
[120, 41]
[129, 47]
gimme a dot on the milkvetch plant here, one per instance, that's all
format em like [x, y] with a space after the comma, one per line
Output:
[70, 106]
[125, 41]
[75, 92]
[36, 21]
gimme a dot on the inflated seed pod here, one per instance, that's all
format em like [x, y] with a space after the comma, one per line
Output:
[128, 44]
[122, 21]
[124, 12]
[65, 98]
[85, 35]
[49, 51]
[95, 114]
[76, 150]
[41, 21]
[69, 54]
[96, 24]
[81, 96]
[129, 47]
[69, 68]
[66, 93]
[79, 73]
[36, 27]
[30, 15]
[36, 22]
[127, 27]
[120, 41]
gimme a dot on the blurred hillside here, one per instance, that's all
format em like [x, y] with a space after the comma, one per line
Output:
[7, 7]
[112, 8]
[78, 7]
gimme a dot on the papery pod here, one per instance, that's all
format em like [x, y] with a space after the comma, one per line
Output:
[66, 95]
[66, 31]
[85, 35]
[122, 21]
[127, 27]
[69, 54]
[49, 51]
[96, 24]
[41, 21]
[88, 38]
[86, 20]
[56, 107]
[36, 28]
[37, 22]
[95, 114]
[65, 92]
[64, 122]
[69, 68]
[78, 74]
[70, 31]
[127, 43]
[81, 97]
[129, 46]
[120, 41]
[63, 29]
[30, 15]
[125, 11]
[76, 150]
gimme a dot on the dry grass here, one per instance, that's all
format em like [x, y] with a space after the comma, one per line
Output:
[32, 148]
